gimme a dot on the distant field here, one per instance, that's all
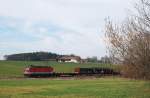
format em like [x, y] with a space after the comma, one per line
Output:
[15, 68]
[96, 88]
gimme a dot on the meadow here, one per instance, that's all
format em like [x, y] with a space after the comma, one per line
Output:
[74, 88]
[13, 69]
[13, 85]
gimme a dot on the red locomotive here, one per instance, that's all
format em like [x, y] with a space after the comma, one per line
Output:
[33, 70]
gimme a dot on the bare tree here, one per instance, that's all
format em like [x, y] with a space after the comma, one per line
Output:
[129, 42]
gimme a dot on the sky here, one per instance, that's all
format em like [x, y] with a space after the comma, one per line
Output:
[59, 26]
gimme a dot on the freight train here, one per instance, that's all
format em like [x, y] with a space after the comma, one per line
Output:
[48, 71]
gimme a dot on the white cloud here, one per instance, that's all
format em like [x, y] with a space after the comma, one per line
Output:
[67, 13]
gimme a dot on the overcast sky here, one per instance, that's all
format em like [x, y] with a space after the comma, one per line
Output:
[60, 26]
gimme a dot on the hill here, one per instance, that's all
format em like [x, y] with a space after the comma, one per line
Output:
[33, 56]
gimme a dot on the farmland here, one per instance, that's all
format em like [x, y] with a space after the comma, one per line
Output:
[75, 88]
[10, 69]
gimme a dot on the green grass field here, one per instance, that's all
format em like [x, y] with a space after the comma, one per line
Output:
[76, 88]
[108, 87]
[10, 69]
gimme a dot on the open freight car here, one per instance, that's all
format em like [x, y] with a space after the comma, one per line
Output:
[95, 70]
[33, 71]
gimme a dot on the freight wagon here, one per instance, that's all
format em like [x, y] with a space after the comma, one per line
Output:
[94, 70]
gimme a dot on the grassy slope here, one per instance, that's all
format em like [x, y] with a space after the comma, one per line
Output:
[99, 88]
[15, 68]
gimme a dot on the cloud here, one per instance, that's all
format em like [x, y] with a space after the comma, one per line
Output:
[62, 26]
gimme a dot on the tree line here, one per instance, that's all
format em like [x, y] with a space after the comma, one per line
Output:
[34, 56]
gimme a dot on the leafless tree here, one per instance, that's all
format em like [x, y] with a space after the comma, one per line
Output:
[129, 43]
